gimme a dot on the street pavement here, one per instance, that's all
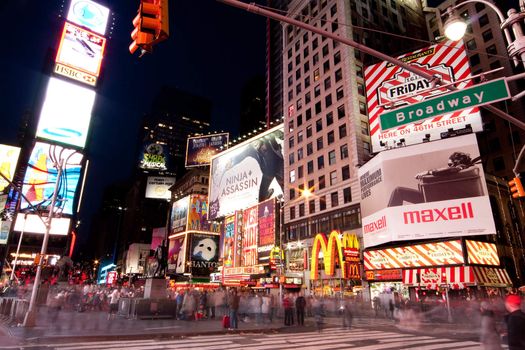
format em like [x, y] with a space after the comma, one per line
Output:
[94, 329]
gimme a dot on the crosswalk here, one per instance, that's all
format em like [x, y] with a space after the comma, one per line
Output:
[330, 338]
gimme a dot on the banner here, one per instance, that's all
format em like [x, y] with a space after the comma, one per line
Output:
[389, 86]
[204, 254]
[158, 187]
[247, 174]
[266, 230]
[41, 177]
[249, 238]
[8, 160]
[482, 253]
[432, 190]
[200, 149]
[179, 216]
[430, 254]
[237, 252]
[177, 254]
[228, 251]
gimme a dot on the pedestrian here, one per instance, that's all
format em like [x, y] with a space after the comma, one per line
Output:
[489, 336]
[347, 314]
[288, 310]
[300, 305]
[318, 309]
[515, 322]
[391, 309]
[266, 308]
[178, 300]
[233, 306]
[113, 303]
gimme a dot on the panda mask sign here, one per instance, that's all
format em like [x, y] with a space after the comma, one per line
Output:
[204, 254]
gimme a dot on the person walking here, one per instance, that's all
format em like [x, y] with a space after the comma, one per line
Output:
[233, 306]
[515, 322]
[300, 305]
[266, 308]
[113, 303]
[288, 310]
[489, 336]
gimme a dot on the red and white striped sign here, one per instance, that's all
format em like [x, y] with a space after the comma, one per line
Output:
[430, 254]
[390, 86]
[492, 277]
[454, 277]
[482, 253]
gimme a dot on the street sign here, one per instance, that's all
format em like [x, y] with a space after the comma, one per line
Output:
[477, 95]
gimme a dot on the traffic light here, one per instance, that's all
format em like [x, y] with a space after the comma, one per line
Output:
[151, 25]
[516, 188]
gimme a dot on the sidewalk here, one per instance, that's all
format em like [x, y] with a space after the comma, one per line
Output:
[71, 325]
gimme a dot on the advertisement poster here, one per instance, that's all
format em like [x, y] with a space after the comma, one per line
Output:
[8, 160]
[157, 236]
[31, 223]
[201, 149]
[247, 174]
[238, 239]
[421, 255]
[204, 254]
[482, 253]
[228, 251]
[179, 216]
[177, 254]
[154, 157]
[89, 14]
[389, 86]
[63, 100]
[432, 190]
[198, 213]
[5, 226]
[250, 233]
[82, 51]
[266, 230]
[158, 187]
[41, 177]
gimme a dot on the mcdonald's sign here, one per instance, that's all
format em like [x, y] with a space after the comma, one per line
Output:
[333, 248]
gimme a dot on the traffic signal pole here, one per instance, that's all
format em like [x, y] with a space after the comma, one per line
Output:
[433, 79]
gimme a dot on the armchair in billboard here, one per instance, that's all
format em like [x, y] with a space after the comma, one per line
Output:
[432, 190]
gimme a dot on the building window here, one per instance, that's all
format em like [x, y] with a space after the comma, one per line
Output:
[292, 193]
[340, 111]
[310, 167]
[290, 66]
[311, 185]
[335, 26]
[471, 44]
[329, 118]
[292, 213]
[338, 75]
[315, 43]
[339, 93]
[297, 59]
[322, 203]
[487, 35]
[327, 83]
[362, 108]
[361, 89]
[292, 176]
[308, 114]
[328, 100]
[364, 128]
[325, 50]
[317, 75]
[315, 59]
[309, 149]
[291, 158]
[298, 89]
[301, 210]
[308, 131]
[317, 90]
[347, 195]
[331, 157]
[307, 98]
[319, 143]
[333, 10]
[326, 66]
[345, 172]
[320, 162]
[322, 182]
[359, 71]
[333, 178]
[299, 120]
[483, 20]
[495, 65]
[319, 125]
[492, 50]
[299, 154]
[344, 151]
[306, 67]
[311, 206]
[474, 59]
[330, 137]
[290, 95]
[337, 57]
[300, 172]
[342, 131]
[299, 104]
[335, 199]
[306, 82]
[299, 137]
[366, 146]
[291, 142]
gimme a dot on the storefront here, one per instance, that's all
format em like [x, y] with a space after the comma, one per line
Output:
[386, 284]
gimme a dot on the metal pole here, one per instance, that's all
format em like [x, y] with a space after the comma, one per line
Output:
[260, 11]
[30, 317]
[18, 248]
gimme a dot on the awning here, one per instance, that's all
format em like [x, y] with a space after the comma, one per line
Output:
[455, 277]
[491, 277]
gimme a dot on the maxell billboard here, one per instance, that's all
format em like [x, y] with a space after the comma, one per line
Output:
[389, 87]
[432, 190]
[247, 174]
[200, 149]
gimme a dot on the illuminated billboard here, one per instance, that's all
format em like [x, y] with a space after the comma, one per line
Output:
[158, 187]
[431, 190]
[179, 216]
[154, 157]
[204, 254]
[41, 177]
[191, 214]
[247, 174]
[8, 160]
[89, 14]
[80, 54]
[228, 250]
[5, 227]
[420, 255]
[266, 222]
[177, 254]
[250, 233]
[482, 253]
[31, 223]
[389, 86]
[66, 113]
[200, 149]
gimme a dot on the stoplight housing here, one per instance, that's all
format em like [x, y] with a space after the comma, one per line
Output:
[151, 25]
[516, 188]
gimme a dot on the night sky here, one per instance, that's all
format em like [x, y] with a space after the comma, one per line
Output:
[212, 51]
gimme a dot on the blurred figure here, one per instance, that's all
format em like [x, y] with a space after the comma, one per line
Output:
[515, 322]
[489, 335]
[233, 305]
[178, 300]
[288, 310]
[266, 308]
[113, 303]
[318, 309]
[347, 314]
[300, 305]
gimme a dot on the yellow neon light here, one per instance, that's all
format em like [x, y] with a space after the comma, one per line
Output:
[331, 247]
